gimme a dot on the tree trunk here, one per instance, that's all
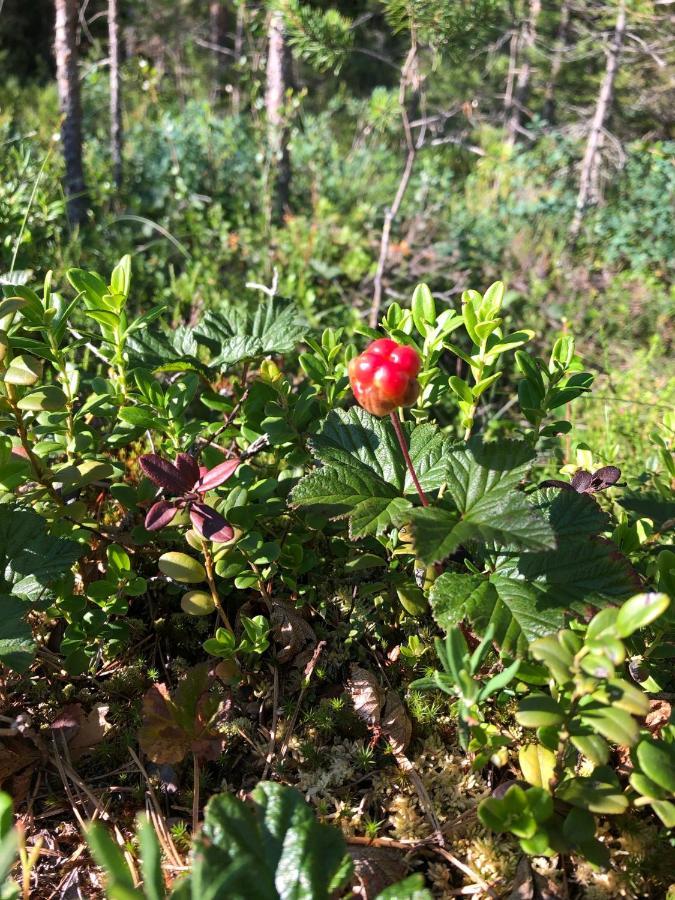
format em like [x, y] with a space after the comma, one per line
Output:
[277, 80]
[559, 49]
[516, 103]
[218, 38]
[68, 84]
[590, 166]
[238, 51]
[116, 137]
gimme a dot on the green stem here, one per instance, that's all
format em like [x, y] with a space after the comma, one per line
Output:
[195, 794]
[70, 400]
[210, 577]
[472, 414]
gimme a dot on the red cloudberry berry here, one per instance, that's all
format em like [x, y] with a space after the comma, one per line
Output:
[384, 376]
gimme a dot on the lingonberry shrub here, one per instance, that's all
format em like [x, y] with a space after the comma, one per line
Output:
[188, 482]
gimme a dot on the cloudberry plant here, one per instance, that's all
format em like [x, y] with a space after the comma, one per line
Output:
[384, 378]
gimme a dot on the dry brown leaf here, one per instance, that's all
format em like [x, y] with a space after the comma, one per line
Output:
[19, 757]
[375, 868]
[15, 754]
[68, 721]
[290, 630]
[367, 695]
[161, 738]
[82, 731]
[396, 723]
[658, 716]
[530, 885]
[188, 721]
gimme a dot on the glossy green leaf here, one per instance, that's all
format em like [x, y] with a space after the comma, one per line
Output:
[537, 764]
[181, 567]
[47, 399]
[657, 760]
[423, 308]
[615, 724]
[598, 793]
[639, 611]
[23, 371]
[537, 710]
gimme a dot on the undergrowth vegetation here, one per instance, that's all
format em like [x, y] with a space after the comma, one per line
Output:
[201, 515]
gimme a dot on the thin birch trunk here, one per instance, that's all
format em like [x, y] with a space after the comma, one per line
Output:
[590, 166]
[218, 36]
[526, 40]
[116, 135]
[409, 79]
[275, 95]
[68, 85]
[557, 57]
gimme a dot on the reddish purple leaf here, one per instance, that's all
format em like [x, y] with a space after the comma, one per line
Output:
[210, 524]
[605, 477]
[164, 474]
[556, 483]
[581, 481]
[217, 475]
[160, 515]
[188, 468]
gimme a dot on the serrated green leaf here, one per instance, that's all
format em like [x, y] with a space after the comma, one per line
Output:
[30, 558]
[577, 574]
[482, 481]
[174, 351]
[232, 336]
[455, 596]
[17, 647]
[293, 856]
[570, 514]
[363, 475]
[525, 609]
[434, 533]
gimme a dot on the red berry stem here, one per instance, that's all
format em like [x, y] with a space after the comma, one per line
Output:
[396, 422]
